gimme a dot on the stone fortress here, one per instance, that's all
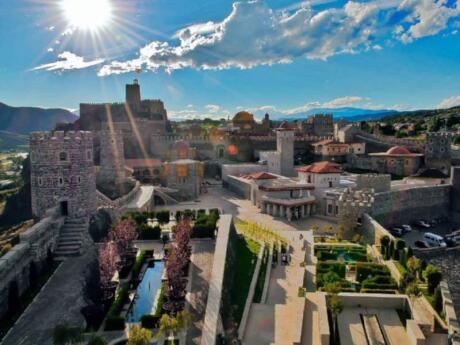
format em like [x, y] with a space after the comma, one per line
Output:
[63, 173]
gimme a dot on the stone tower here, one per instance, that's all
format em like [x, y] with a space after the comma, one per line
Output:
[285, 149]
[112, 160]
[62, 173]
[133, 95]
[437, 151]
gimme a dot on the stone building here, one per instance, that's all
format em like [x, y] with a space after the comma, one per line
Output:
[438, 152]
[320, 125]
[62, 173]
[185, 176]
[281, 161]
[112, 155]
[332, 150]
[137, 118]
[276, 195]
[397, 161]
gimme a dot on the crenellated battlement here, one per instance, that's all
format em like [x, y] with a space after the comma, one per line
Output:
[60, 136]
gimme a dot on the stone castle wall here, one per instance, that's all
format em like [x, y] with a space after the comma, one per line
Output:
[378, 182]
[62, 172]
[29, 254]
[405, 205]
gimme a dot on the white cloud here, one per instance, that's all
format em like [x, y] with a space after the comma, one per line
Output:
[212, 108]
[343, 102]
[50, 50]
[68, 61]
[254, 34]
[449, 102]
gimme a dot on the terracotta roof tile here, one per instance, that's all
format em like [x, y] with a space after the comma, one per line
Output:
[321, 168]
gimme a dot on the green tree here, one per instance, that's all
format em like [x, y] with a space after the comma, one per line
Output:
[384, 242]
[335, 307]
[65, 335]
[437, 300]
[96, 340]
[139, 336]
[433, 277]
[413, 290]
[435, 124]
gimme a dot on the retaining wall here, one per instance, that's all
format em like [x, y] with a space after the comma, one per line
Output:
[220, 282]
[29, 254]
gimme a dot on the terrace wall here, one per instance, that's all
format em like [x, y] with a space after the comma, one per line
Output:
[220, 282]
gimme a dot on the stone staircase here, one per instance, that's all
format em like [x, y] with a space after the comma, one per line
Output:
[70, 238]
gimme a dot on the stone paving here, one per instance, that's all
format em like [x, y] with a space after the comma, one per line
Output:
[59, 302]
[201, 261]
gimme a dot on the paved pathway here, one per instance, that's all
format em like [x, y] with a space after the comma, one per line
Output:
[202, 259]
[59, 302]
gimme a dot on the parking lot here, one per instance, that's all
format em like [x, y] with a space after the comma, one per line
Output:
[439, 229]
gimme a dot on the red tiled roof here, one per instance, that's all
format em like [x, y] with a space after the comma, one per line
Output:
[260, 176]
[285, 126]
[323, 142]
[321, 168]
[142, 163]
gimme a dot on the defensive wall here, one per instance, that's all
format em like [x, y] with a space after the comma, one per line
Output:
[407, 204]
[218, 303]
[24, 261]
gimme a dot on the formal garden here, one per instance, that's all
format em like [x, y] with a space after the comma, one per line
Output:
[130, 289]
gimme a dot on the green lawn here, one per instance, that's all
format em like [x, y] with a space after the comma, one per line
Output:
[246, 259]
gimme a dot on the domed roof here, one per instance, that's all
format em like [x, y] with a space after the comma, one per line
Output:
[181, 145]
[243, 116]
[398, 150]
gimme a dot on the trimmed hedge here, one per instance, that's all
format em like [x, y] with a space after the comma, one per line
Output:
[364, 269]
[334, 266]
[204, 226]
[114, 321]
[148, 233]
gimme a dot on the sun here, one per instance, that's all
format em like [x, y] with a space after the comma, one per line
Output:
[87, 14]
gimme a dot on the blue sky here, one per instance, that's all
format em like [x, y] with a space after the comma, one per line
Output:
[214, 57]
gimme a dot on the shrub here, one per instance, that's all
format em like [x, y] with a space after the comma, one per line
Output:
[326, 255]
[96, 340]
[149, 321]
[114, 321]
[204, 226]
[437, 300]
[163, 217]
[148, 233]
[137, 265]
[338, 267]
[433, 276]
[363, 270]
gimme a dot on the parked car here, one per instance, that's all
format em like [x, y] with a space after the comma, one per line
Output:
[421, 244]
[434, 240]
[395, 231]
[406, 227]
[422, 224]
[453, 238]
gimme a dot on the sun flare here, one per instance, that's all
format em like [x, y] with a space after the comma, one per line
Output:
[87, 14]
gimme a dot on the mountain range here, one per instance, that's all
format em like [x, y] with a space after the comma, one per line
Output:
[17, 122]
[349, 113]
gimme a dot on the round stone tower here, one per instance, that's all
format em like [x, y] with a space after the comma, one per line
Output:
[62, 173]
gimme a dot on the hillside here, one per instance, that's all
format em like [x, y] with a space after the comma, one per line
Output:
[23, 120]
[12, 141]
[412, 116]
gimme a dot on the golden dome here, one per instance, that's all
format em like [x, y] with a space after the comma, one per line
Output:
[243, 116]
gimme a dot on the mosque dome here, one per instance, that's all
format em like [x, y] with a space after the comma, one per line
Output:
[398, 150]
[243, 116]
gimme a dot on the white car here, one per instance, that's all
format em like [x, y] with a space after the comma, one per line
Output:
[406, 227]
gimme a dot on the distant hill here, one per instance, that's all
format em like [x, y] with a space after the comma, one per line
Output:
[12, 141]
[23, 120]
[411, 115]
[349, 113]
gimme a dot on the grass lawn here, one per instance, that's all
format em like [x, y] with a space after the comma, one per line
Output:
[246, 259]
[400, 267]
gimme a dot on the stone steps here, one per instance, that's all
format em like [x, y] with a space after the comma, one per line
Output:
[70, 239]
